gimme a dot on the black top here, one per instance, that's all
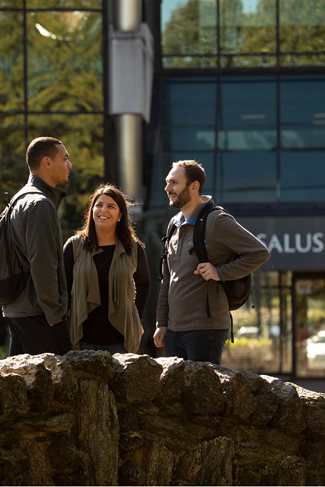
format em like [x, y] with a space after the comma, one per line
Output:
[97, 329]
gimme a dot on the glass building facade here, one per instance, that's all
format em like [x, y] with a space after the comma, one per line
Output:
[239, 85]
[243, 90]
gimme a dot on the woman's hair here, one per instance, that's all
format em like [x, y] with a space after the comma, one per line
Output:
[125, 232]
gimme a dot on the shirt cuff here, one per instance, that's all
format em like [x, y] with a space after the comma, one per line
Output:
[218, 269]
[161, 325]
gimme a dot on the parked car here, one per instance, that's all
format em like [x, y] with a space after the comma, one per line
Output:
[315, 348]
[248, 332]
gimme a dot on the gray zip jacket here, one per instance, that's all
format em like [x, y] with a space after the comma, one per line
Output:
[183, 297]
[37, 238]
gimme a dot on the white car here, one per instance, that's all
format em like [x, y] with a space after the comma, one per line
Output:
[248, 332]
[316, 349]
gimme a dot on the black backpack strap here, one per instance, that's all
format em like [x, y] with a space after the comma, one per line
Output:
[199, 230]
[200, 247]
[170, 230]
[231, 328]
[19, 195]
[10, 203]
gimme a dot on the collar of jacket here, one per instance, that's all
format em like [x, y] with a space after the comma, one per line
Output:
[54, 194]
[179, 219]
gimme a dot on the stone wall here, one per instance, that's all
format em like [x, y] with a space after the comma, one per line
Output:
[92, 419]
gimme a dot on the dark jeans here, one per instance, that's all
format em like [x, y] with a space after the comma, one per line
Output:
[115, 348]
[34, 335]
[199, 346]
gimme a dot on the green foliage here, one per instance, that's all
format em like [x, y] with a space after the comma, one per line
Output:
[186, 35]
[64, 98]
[62, 3]
[192, 30]
[14, 171]
[2, 352]
[65, 70]
[11, 62]
[251, 343]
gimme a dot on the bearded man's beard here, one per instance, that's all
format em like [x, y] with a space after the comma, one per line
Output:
[182, 199]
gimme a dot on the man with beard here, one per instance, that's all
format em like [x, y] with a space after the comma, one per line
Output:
[193, 316]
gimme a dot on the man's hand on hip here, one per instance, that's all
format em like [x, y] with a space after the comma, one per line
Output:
[207, 271]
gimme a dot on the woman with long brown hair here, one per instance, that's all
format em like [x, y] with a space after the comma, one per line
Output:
[107, 276]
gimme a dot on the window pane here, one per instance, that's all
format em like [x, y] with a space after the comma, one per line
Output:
[13, 169]
[248, 103]
[296, 138]
[11, 3]
[248, 26]
[82, 134]
[199, 138]
[189, 61]
[248, 177]
[302, 113]
[238, 140]
[188, 103]
[181, 90]
[310, 327]
[64, 3]
[302, 176]
[65, 65]
[303, 101]
[247, 61]
[11, 62]
[189, 114]
[248, 110]
[309, 59]
[258, 343]
[188, 27]
[302, 29]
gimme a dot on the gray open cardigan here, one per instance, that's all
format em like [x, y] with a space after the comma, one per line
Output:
[85, 294]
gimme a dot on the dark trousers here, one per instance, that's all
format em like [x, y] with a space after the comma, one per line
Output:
[34, 335]
[199, 346]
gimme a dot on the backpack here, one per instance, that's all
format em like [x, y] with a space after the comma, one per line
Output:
[12, 274]
[237, 290]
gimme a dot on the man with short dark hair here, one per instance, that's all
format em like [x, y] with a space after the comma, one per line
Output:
[37, 318]
[193, 313]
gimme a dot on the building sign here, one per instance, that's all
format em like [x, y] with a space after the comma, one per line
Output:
[294, 243]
